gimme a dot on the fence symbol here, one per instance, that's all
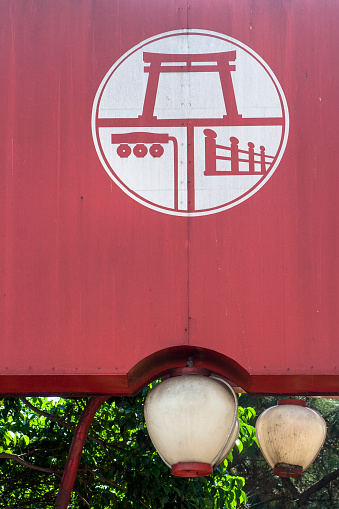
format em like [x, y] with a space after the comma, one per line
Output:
[258, 162]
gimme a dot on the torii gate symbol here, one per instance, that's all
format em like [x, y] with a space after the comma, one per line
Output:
[192, 63]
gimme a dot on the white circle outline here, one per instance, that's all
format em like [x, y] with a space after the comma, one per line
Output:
[192, 32]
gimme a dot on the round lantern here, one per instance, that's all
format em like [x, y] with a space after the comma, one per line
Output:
[193, 423]
[290, 436]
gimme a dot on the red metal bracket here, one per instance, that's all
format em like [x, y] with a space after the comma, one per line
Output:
[75, 452]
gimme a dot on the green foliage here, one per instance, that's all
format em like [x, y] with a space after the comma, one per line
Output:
[119, 466]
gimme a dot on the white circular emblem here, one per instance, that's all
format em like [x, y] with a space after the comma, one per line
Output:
[190, 122]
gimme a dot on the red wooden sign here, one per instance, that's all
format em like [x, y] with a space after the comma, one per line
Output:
[169, 189]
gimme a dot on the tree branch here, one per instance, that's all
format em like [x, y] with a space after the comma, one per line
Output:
[318, 485]
[292, 490]
[82, 498]
[17, 458]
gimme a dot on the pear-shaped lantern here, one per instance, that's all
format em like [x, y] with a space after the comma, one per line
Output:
[192, 421]
[290, 436]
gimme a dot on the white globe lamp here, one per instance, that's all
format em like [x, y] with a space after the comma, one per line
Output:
[290, 436]
[192, 420]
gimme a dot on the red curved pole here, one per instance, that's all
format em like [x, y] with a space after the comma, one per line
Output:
[74, 456]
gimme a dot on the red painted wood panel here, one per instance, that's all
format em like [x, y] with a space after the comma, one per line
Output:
[100, 293]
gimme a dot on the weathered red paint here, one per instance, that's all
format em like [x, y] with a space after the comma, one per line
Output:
[100, 294]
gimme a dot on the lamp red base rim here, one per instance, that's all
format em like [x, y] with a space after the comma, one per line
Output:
[288, 471]
[192, 469]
